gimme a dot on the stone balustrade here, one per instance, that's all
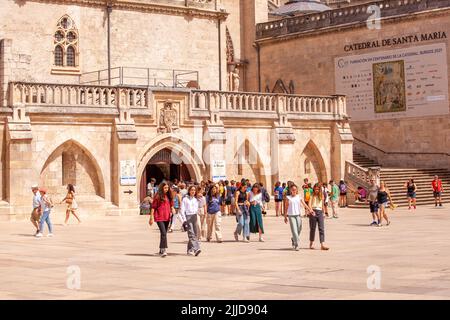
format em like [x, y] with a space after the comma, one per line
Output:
[62, 95]
[351, 15]
[234, 104]
[359, 176]
[70, 97]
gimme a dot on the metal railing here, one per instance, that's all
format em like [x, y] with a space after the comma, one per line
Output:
[145, 77]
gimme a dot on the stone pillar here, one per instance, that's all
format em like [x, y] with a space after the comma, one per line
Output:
[214, 142]
[341, 148]
[20, 172]
[5, 70]
[125, 197]
[282, 141]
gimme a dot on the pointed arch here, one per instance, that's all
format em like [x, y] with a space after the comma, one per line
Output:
[181, 149]
[249, 163]
[73, 163]
[313, 164]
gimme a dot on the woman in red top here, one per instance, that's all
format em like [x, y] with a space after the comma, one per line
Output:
[161, 212]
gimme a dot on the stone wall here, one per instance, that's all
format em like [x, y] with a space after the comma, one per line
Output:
[309, 60]
[56, 148]
[138, 39]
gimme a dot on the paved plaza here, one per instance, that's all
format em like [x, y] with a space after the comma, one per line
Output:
[117, 260]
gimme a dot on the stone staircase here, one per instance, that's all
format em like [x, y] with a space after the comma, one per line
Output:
[395, 179]
[363, 161]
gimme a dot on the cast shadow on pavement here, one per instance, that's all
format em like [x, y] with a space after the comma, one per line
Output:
[153, 254]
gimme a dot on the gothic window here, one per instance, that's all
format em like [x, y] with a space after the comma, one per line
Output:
[66, 49]
[70, 56]
[58, 56]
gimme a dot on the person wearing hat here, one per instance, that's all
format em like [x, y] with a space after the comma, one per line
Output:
[46, 206]
[36, 213]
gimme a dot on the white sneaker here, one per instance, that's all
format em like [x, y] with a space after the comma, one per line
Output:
[39, 235]
[191, 253]
[50, 235]
[261, 239]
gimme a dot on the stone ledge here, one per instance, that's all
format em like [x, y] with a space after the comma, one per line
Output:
[338, 19]
[171, 7]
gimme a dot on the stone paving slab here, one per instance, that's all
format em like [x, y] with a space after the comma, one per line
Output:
[118, 259]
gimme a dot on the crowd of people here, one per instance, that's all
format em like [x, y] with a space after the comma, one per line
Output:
[199, 208]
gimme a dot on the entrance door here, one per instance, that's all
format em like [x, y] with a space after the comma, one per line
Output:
[161, 167]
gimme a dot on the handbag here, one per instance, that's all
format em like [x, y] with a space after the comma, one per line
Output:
[74, 204]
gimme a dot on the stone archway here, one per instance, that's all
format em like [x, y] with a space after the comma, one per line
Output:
[179, 152]
[249, 163]
[72, 163]
[312, 164]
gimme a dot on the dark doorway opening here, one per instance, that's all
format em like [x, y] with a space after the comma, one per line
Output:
[163, 166]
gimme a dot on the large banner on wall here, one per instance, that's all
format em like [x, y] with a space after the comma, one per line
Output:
[410, 82]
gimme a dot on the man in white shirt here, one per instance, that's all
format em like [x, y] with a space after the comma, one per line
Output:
[36, 212]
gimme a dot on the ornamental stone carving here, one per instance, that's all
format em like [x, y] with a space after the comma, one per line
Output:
[168, 118]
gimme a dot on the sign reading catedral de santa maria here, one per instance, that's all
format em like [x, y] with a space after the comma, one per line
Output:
[395, 41]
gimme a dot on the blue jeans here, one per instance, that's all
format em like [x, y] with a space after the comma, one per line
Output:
[46, 218]
[243, 221]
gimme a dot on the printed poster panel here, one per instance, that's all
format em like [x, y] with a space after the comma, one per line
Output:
[409, 82]
[389, 86]
[218, 170]
[127, 172]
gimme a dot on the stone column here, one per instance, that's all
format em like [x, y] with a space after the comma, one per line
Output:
[125, 197]
[20, 172]
[214, 142]
[5, 70]
[341, 148]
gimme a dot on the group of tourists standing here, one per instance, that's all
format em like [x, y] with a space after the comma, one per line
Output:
[43, 205]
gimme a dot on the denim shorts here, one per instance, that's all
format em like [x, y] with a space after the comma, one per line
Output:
[411, 195]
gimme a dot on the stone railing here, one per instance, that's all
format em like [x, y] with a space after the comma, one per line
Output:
[45, 97]
[234, 104]
[351, 15]
[358, 176]
[61, 95]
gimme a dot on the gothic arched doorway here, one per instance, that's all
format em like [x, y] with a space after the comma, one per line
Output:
[164, 165]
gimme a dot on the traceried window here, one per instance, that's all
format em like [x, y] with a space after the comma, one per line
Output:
[66, 49]
[58, 56]
[70, 57]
